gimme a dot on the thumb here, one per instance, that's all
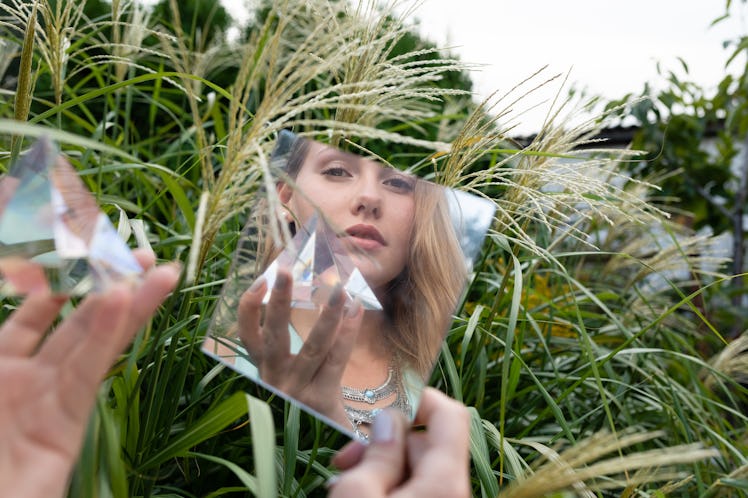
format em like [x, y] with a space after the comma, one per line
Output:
[382, 466]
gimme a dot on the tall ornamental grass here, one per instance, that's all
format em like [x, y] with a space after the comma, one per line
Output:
[582, 347]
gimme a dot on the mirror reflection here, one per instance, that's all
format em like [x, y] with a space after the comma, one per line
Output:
[341, 291]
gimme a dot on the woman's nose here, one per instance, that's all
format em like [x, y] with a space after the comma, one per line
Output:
[367, 201]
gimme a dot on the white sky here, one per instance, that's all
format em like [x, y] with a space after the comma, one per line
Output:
[611, 47]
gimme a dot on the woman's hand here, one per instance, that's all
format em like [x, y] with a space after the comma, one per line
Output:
[402, 463]
[49, 384]
[313, 376]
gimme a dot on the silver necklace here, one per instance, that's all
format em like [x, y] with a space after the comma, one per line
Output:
[372, 394]
[360, 416]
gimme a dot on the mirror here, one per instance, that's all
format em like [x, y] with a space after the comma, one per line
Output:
[344, 282]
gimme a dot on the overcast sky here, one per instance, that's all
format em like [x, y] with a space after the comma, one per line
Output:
[611, 47]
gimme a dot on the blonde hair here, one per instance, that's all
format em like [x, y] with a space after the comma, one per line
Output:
[425, 295]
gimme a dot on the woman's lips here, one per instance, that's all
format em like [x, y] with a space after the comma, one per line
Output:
[366, 237]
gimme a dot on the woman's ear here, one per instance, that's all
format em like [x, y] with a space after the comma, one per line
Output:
[284, 192]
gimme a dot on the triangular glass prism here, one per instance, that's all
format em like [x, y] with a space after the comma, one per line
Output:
[52, 234]
[318, 261]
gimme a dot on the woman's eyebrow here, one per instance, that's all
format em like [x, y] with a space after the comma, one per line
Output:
[389, 172]
[331, 153]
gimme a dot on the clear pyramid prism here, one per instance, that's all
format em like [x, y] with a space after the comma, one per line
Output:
[53, 237]
[318, 261]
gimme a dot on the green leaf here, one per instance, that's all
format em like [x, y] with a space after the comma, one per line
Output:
[479, 454]
[210, 424]
[263, 446]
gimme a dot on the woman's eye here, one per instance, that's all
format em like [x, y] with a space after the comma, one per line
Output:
[399, 183]
[336, 171]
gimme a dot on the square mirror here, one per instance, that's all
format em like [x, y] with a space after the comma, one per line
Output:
[344, 282]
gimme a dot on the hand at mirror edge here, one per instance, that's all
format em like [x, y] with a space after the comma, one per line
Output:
[401, 463]
[313, 376]
[49, 385]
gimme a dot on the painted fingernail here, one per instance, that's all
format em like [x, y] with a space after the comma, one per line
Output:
[353, 308]
[337, 295]
[282, 281]
[257, 284]
[383, 428]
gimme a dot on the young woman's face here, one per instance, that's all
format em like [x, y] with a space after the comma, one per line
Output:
[374, 205]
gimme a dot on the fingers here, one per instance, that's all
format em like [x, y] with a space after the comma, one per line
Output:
[439, 457]
[382, 466]
[146, 258]
[156, 285]
[321, 340]
[331, 370]
[91, 338]
[22, 333]
[99, 315]
[447, 421]
[249, 316]
[76, 376]
[24, 277]
[275, 336]
[350, 455]
[86, 344]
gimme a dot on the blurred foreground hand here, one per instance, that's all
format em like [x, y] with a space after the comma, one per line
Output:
[48, 384]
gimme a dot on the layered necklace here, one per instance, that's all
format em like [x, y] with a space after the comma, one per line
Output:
[362, 416]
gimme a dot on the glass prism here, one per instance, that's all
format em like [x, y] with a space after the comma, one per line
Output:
[53, 236]
[318, 261]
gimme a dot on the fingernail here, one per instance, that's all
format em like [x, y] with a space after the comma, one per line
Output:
[337, 295]
[353, 308]
[332, 481]
[257, 284]
[175, 267]
[282, 281]
[60, 298]
[383, 428]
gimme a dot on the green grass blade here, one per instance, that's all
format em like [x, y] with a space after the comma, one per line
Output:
[263, 446]
[210, 424]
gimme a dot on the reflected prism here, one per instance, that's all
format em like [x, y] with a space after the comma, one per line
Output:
[318, 261]
[53, 237]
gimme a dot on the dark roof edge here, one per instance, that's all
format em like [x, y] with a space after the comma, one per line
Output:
[620, 136]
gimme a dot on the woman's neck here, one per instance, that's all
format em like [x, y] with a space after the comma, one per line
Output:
[372, 337]
[371, 358]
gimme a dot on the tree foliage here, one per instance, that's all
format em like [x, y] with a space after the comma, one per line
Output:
[693, 138]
